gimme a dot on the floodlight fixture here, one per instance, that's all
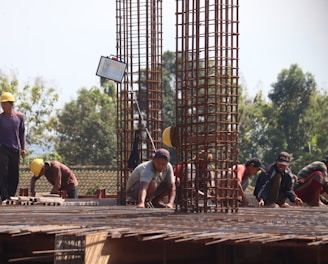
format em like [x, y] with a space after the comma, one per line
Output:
[111, 68]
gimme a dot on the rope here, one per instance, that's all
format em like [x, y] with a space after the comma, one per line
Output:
[142, 120]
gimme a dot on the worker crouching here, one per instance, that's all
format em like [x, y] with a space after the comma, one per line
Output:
[153, 180]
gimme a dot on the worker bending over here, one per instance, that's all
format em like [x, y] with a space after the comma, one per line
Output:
[58, 174]
[312, 182]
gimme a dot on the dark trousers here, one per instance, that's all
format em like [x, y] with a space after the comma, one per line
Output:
[73, 193]
[275, 196]
[9, 172]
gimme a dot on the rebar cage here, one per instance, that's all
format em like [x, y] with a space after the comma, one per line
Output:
[206, 96]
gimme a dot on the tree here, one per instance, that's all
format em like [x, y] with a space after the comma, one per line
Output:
[317, 116]
[87, 129]
[291, 98]
[37, 103]
[169, 89]
[8, 83]
[252, 140]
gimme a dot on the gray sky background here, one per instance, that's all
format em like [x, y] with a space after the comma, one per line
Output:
[62, 41]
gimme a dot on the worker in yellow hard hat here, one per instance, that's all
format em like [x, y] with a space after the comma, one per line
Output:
[58, 175]
[12, 145]
[170, 137]
[166, 137]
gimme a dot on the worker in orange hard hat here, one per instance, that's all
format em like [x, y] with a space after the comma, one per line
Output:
[12, 145]
[58, 174]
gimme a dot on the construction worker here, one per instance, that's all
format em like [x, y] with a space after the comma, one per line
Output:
[276, 184]
[58, 174]
[312, 182]
[12, 145]
[204, 170]
[244, 172]
[152, 181]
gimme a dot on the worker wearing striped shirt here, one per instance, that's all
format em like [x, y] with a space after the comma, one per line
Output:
[312, 182]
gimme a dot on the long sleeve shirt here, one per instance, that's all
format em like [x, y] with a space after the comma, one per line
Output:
[60, 177]
[262, 187]
[12, 131]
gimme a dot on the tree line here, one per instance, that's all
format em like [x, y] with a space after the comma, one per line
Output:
[291, 117]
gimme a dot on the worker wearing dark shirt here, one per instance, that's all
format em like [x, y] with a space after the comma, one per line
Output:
[58, 174]
[275, 185]
[12, 145]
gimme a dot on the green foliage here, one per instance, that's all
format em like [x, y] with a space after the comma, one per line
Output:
[52, 156]
[291, 98]
[8, 83]
[87, 129]
[169, 88]
[93, 190]
[293, 121]
[251, 127]
[37, 103]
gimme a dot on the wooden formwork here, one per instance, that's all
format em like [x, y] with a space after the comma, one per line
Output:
[124, 234]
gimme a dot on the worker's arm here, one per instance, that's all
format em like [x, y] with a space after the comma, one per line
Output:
[142, 194]
[57, 174]
[32, 185]
[244, 200]
[172, 193]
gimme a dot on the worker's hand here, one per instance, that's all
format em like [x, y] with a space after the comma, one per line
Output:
[169, 205]
[23, 153]
[141, 205]
[298, 201]
[245, 201]
[261, 203]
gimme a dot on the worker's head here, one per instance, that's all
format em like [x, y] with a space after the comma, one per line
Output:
[283, 161]
[36, 167]
[253, 166]
[7, 102]
[325, 160]
[202, 159]
[160, 159]
[7, 97]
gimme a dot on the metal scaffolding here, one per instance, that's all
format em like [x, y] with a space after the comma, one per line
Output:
[140, 96]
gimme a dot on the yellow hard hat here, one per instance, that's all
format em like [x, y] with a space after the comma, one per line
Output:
[36, 166]
[7, 97]
[166, 137]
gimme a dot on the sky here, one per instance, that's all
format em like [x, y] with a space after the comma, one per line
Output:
[62, 41]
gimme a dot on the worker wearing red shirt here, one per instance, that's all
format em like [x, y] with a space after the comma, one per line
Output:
[244, 171]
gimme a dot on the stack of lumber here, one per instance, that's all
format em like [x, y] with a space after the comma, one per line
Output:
[29, 200]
